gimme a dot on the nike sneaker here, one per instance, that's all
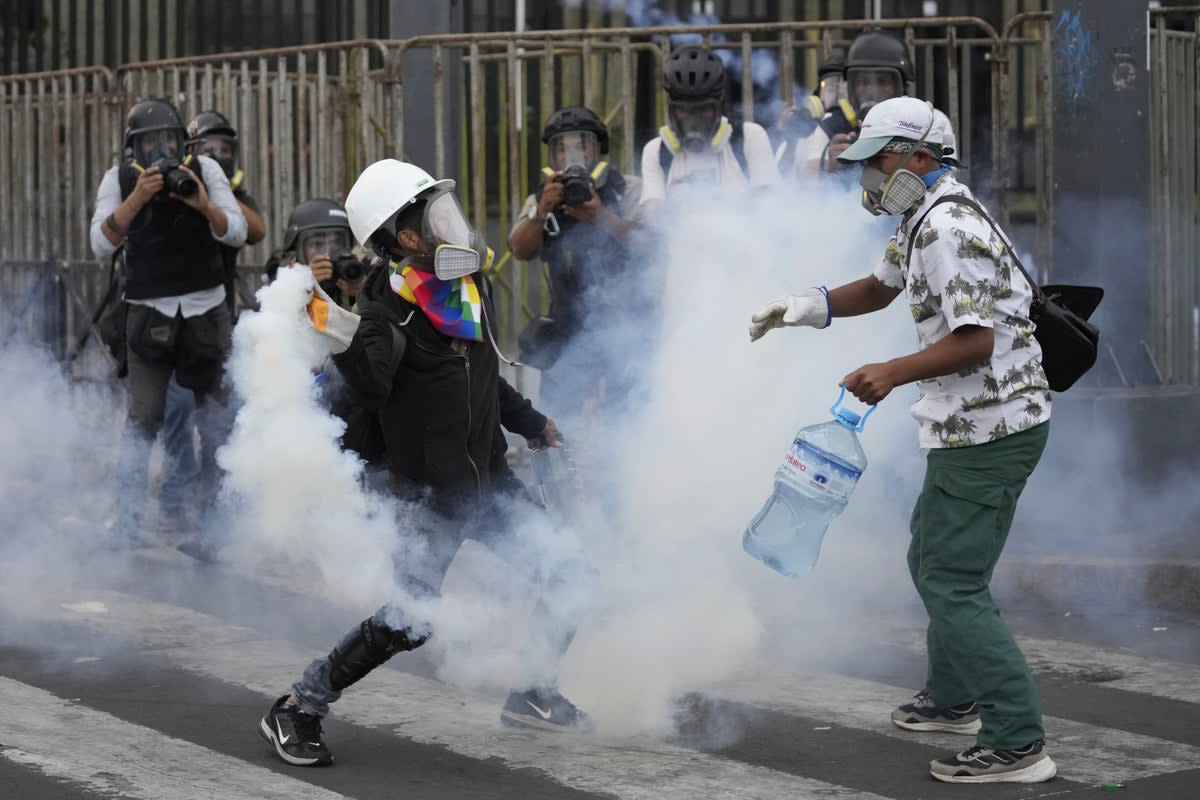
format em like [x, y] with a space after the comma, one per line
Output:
[295, 735]
[544, 709]
[922, 715]
[1028, 764]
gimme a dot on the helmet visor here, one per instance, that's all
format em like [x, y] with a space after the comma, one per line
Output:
[831, 89]
[692, 120]
[870, 85]
[574, 149]
[150, 146]
[322, 241]
[444, 221]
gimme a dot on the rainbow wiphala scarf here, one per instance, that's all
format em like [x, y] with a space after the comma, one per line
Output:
[453, 307]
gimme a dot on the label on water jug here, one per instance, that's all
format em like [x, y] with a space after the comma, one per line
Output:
[807, 466]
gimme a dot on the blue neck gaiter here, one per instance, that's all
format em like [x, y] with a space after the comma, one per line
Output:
[930, 178]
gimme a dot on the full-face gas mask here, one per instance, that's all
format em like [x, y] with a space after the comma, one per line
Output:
[695, 122]
[150, 147]
[831, 89]
[867, 86]
[900, 191]
[220, 148]
[321, 241]
[458, 250]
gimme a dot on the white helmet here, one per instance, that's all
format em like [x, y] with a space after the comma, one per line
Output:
[382, 189]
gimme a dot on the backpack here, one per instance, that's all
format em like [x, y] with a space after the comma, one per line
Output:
[737, 141]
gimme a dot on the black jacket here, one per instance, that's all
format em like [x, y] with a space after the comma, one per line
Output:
[439, 401]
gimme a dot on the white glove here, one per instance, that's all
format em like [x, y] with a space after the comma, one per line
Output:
[810, 307]
[332, 320]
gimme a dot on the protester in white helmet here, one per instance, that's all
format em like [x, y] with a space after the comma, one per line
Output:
[983, 412]
[422, 355]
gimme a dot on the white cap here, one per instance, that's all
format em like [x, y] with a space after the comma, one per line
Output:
[903, 117]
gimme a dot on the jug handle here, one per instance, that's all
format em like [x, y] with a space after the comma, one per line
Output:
[860, 422]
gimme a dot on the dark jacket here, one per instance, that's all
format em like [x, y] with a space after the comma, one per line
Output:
[170, 249]
[439, 401]
[584, 259]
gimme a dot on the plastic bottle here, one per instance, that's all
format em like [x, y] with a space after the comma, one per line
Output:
[557, 483]
[811, 488]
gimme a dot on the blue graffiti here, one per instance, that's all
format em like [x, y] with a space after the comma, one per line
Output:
[1075, 60]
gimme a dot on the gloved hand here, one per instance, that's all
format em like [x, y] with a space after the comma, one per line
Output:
[810, 307]
[329, 318]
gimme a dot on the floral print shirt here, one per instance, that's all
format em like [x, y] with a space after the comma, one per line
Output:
[961, 273]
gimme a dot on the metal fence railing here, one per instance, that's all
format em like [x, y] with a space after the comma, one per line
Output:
[1175, 194]
[311, 117]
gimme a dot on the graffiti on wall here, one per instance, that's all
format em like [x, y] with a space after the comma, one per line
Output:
[1076, 57]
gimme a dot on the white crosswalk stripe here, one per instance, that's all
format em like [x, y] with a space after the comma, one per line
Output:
[427, 711]
[1082, 751]
[103, 753]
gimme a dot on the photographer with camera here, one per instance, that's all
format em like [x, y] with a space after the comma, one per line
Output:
[318, 236]
[878, 67]
[581, 221]
[170, 213]
[699, 145]
[798, 124]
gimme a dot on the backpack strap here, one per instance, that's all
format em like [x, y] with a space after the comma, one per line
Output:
[967, 201]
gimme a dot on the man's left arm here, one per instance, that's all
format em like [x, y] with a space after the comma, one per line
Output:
[256, 226]
[962, 275]
[518, 415]
[214, 199]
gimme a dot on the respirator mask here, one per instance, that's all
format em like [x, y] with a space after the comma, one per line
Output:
[458, 250]
[900, 191]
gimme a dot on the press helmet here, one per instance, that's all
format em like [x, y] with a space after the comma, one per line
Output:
[877, 48]
[693, 72]
[382, 191]
[316, 214]
[576, 118]
[154, 114]
[208, 123]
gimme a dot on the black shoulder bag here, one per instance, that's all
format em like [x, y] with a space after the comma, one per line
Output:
[1059, 312]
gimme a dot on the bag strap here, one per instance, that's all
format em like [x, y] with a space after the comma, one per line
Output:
[737, 142]
[962, 199]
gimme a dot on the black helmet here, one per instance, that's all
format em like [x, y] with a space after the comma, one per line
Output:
[835, 63]
[208, 123]
[152, 117]
[877, 48]
[693, 72]
[576, 118]
[211, 133]
[316, 214]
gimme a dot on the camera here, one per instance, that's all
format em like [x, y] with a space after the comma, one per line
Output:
[175, 179]
[577, 185]
[346, 267]
[836, 122]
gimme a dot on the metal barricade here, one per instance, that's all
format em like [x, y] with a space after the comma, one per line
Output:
[1175, 193]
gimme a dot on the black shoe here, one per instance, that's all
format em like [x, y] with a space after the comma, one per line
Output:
[922, 715]
[296, 735]
[544, 709]
[1028, 764]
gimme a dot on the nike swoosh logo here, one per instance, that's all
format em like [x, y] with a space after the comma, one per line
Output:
[544, 714]
[282, 739]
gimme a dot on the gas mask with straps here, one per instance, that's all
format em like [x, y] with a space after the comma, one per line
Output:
[458, 249]
[898, 192]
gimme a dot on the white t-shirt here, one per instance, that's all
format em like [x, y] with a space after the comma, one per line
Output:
[719, 166]
[961, 273]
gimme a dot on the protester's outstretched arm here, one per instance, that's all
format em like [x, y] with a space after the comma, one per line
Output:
[861, 297]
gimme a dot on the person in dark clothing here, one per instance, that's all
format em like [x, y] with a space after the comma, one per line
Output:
[318, 236]
[582, 221]
[171, 212]
[422, 354]
[208, 134]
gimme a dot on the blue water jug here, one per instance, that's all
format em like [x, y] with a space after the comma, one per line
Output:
[811, 488]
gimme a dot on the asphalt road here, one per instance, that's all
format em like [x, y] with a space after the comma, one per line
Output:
[128, 690]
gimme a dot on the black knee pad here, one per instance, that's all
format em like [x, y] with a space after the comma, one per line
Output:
[371, 645]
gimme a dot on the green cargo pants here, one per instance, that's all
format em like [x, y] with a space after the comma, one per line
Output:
[959, 528]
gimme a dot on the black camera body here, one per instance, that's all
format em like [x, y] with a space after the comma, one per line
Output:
[577, 185]
[346, 267]
[836, 122]
[175, 180]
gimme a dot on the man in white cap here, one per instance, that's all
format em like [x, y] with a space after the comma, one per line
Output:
[983, 413]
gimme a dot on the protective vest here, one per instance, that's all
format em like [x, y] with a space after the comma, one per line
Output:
[170, 249]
